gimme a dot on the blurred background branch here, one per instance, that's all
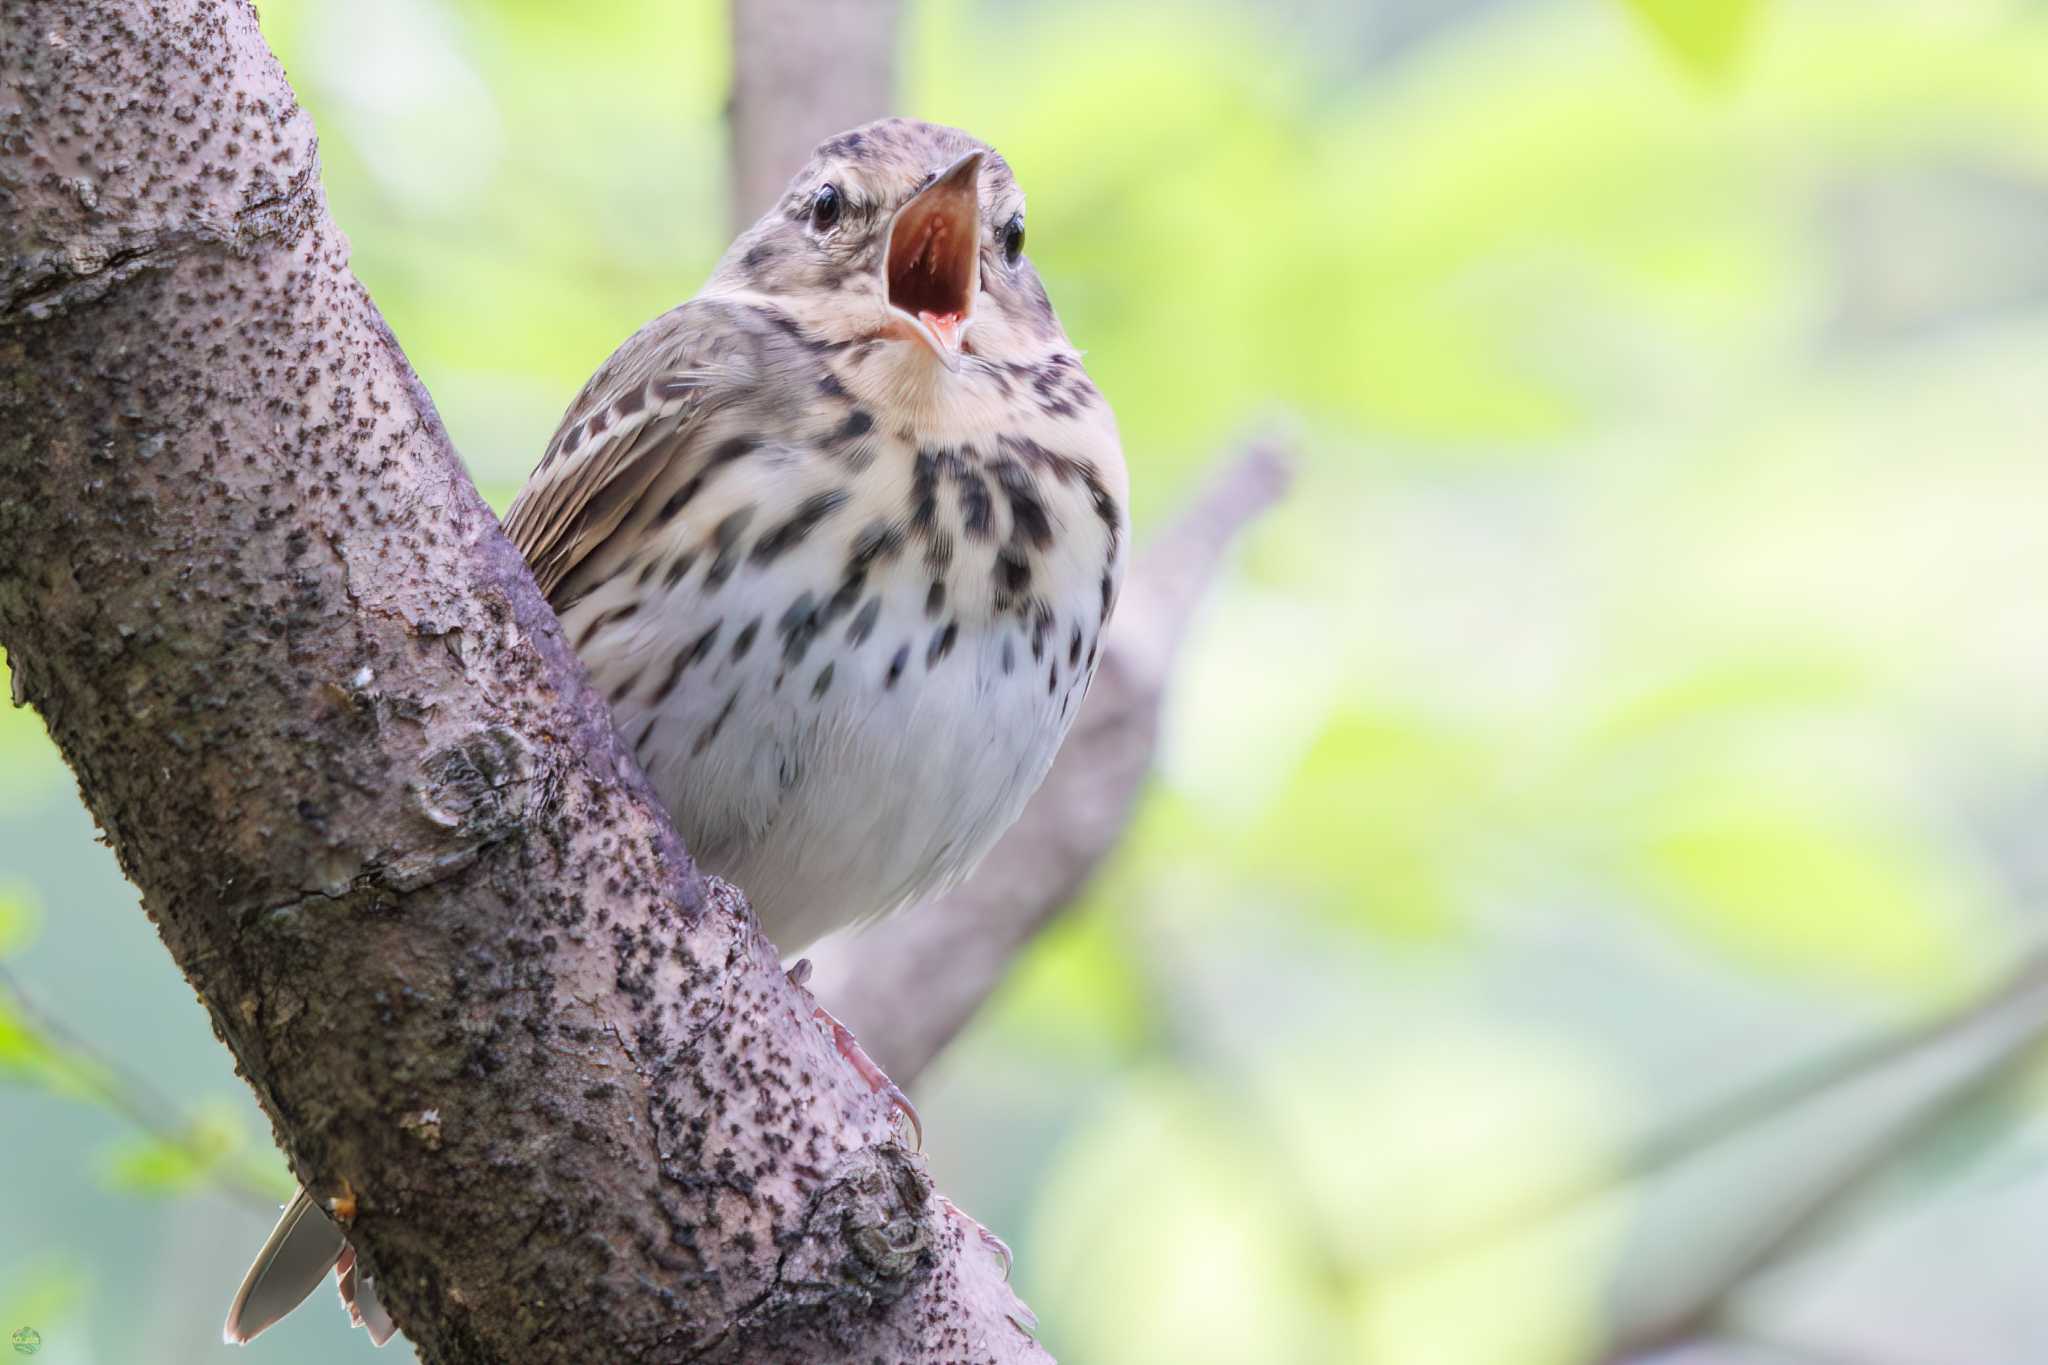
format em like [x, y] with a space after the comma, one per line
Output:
[170, 1153]
[802, 70]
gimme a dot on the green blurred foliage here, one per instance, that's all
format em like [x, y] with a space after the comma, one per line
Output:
[1707, 36]
[211, 1145]
[1647, 663]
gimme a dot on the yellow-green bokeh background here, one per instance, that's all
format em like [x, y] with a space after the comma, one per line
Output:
[1642, 687]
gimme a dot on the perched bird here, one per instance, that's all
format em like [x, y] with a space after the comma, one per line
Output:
[837, 539]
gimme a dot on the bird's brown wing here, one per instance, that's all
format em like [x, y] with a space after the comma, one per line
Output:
[639, 415]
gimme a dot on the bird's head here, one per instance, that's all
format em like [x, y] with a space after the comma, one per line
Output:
[902, 233]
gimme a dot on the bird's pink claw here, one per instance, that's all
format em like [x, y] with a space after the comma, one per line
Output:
[877, 1079]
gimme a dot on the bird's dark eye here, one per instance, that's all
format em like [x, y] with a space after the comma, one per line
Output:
[1013, 239]
[825, 207]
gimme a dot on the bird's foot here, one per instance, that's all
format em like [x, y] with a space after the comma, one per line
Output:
[856, 1056]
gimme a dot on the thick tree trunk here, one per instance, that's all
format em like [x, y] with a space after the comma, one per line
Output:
[335, 736]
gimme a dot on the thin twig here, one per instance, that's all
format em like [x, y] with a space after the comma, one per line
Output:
[119, 1088]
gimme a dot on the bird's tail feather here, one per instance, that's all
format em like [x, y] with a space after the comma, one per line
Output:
[301, 1249]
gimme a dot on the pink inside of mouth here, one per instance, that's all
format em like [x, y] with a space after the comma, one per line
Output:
[945, 326]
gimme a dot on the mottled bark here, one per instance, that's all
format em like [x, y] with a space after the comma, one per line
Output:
[802, 70]
[332, 732]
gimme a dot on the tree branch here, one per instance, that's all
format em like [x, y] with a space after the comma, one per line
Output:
[908, 984]
[333, 733]
[802, 70]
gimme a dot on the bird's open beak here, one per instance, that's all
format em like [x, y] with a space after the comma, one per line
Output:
[933, 268]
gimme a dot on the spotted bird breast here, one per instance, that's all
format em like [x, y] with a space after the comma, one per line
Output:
[849, 656]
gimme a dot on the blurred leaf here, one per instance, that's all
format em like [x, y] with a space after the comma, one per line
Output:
[150, 1164]
[18, 919]
[1793, 889]
[1706, 36]
[1394, 1149]
[44, 1293]
[1173, 1241]
[1073, 989]
[1734, 692]
[26, 1056]
[1370, 824]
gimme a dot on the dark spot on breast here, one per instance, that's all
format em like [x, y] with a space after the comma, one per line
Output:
[1108, 594]
[841, 601]
[877, 541]
[938, 551]
[809, 514]
[897, 665]
[710, 732]
[1027, 450]
[1009, 654]
[727, 537]
[646, 573]
[678, 500]
[624, 689]
[1028, 520]
[942, 643]
[603, 619]
[1013, 573]
[1052, 679]
[935, 598]
[863, 624]
[744, 641]
[1041, 622]
[858, 423]
[829, 385]
[798, 627]
[924, 493]
[679, 567]
[732, 448]
[1074, 647]
[824, 681]
[694, 652]
[977, 506]
[1105, 507]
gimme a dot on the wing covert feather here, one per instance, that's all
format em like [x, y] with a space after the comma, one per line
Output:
[639, 414]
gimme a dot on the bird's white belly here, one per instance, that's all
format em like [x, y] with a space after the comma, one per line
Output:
[834, 796]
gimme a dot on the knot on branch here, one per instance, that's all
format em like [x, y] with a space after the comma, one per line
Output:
[867, 1237]
[473, 792]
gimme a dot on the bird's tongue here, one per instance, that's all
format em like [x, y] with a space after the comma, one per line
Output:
[945, 326]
